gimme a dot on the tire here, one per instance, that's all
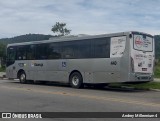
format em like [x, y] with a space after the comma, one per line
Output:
[76, 80]
[22, 77]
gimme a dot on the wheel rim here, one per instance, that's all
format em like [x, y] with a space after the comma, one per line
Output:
[23, 77]
[75, 80]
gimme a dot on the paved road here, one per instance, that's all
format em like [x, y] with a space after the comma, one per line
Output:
[18, 97]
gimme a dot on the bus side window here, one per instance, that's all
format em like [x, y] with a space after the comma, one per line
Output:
[102, 48]
[54, 51]
[30, 52]
[21, 53]
[82, 49]
[41, 51]
[68, 50]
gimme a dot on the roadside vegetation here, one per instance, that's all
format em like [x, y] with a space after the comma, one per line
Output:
[157, 70]
[2, 69]
[143, 86]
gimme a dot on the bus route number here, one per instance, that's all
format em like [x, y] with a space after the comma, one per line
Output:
[113, 62]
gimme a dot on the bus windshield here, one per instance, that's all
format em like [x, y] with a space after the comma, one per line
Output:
[143, 43]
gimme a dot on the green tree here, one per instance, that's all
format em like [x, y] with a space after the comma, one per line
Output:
[2, 56]
[2, 50]
[157, 46]
[60, 29]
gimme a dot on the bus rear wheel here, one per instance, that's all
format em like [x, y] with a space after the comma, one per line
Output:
[76, 80]
[22, 77]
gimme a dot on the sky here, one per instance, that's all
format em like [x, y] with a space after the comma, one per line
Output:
[18, 17]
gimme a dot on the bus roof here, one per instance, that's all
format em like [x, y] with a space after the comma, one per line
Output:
[73, 38]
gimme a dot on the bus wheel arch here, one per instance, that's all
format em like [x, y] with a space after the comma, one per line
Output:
[21, 75]
[76, 79]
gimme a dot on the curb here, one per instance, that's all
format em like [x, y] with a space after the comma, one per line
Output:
[156, 80]
[3, 77]
[158, 90]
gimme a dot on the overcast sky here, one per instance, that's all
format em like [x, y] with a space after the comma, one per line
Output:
[19, 17]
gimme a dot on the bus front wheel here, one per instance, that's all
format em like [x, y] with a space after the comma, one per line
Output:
[22, 77]
[76, 80]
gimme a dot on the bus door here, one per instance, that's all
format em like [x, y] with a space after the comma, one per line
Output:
[10, 66]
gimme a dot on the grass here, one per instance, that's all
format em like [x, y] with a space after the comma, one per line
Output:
[157, 71]
[2, 69]
[149, 85]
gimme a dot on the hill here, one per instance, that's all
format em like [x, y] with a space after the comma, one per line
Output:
[25, 38]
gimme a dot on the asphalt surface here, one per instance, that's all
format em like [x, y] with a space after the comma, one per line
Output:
[16, 97]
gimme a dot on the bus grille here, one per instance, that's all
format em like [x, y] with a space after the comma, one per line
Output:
[144, 77]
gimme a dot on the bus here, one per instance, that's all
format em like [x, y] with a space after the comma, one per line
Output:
[79, 60]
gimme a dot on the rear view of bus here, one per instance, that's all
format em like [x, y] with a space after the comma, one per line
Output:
[142, 57]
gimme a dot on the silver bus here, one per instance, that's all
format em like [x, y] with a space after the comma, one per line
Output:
[79, 60]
